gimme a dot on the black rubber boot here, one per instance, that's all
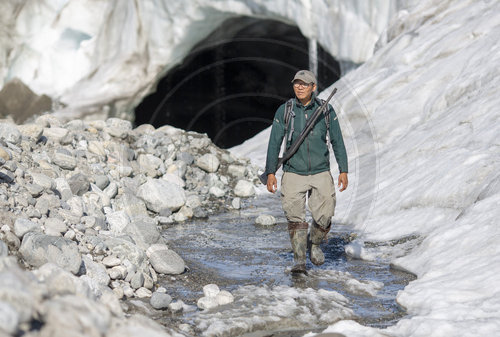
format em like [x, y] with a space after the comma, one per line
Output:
[298, 238]
[318, 234]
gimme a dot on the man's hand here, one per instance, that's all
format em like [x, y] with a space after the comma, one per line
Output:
[272, 183]
[342, 181]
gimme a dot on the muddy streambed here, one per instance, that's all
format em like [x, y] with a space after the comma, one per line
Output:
[253, 262]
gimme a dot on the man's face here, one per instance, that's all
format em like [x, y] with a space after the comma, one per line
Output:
[303, 90]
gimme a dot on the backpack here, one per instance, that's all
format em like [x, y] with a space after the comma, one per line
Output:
[290, 115]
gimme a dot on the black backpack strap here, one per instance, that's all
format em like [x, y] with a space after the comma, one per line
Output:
[289, 115]
[327, 118]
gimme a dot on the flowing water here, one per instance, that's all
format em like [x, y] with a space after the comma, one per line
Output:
[253, 262]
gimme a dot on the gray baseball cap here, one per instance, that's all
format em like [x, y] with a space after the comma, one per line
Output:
[306, 76]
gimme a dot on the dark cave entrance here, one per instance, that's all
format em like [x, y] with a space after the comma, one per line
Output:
[230, 85]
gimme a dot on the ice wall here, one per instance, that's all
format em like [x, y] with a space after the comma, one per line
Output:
[421, 122]
[90, 54]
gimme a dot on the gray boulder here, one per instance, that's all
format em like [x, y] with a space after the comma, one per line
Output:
[164, 260]
[10, 133]
[96, 271]
[42, 180]
[159, 194]
[37, 249]
[21, 291]
[265, 220]
[208, 162]
[23, 226]
[244, 188]
[55, 227]
[64, 159]
[117, 127]
[55, 134]
[63, 189]
[131, 205]
[117, 221]
[75, 316]
[125, 249]
[160, 300]
[143, 230]
[79, 184]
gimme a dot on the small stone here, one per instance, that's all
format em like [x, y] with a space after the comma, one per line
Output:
[186, 211]
[236, 203]
[37, 249]
[101, 181]
[117, 127]
[206, 303]
[12, 240]
[43, 180]
[211, 290]
[160, 301]
[70, 235]
[32, 131]
[237, 171]
[4, 154]
[55, 227]
[186, 328]
[159, 194]
[7, 176]
[265, 220]
[118, 292]
[111, 261]
[79, 184]
[64, 159]
[185, 157]
[244, 188]
[10, 133]
[34, 189]
[143, 293]
[164, 260]
[176, 306]
[96, 271]
[23, 226]
[97, 148]
[174, 178]
[55, 134]
[63, 188]
[117, 272]
[193, 201]
[208, 162]
[137, 280]
[128, 291]
[216, 192]
[199, 212]
[224, 297]
[179, 217]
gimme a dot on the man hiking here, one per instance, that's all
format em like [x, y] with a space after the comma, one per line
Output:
[307, 172]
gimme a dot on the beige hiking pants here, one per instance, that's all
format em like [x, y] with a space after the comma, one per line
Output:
[320, 191]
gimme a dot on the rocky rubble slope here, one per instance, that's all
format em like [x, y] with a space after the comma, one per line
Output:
[81, 210]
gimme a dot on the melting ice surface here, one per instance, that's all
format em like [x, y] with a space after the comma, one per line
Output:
[253, 262]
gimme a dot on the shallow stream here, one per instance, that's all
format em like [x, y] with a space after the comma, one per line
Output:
[253, 263]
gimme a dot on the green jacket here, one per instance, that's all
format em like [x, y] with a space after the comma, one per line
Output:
[312, 156]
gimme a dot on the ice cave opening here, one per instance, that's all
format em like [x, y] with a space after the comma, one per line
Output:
[230, 85]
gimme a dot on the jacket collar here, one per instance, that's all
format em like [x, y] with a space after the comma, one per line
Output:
[314, 101]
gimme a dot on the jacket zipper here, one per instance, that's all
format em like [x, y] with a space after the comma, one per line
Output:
[308, 153]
